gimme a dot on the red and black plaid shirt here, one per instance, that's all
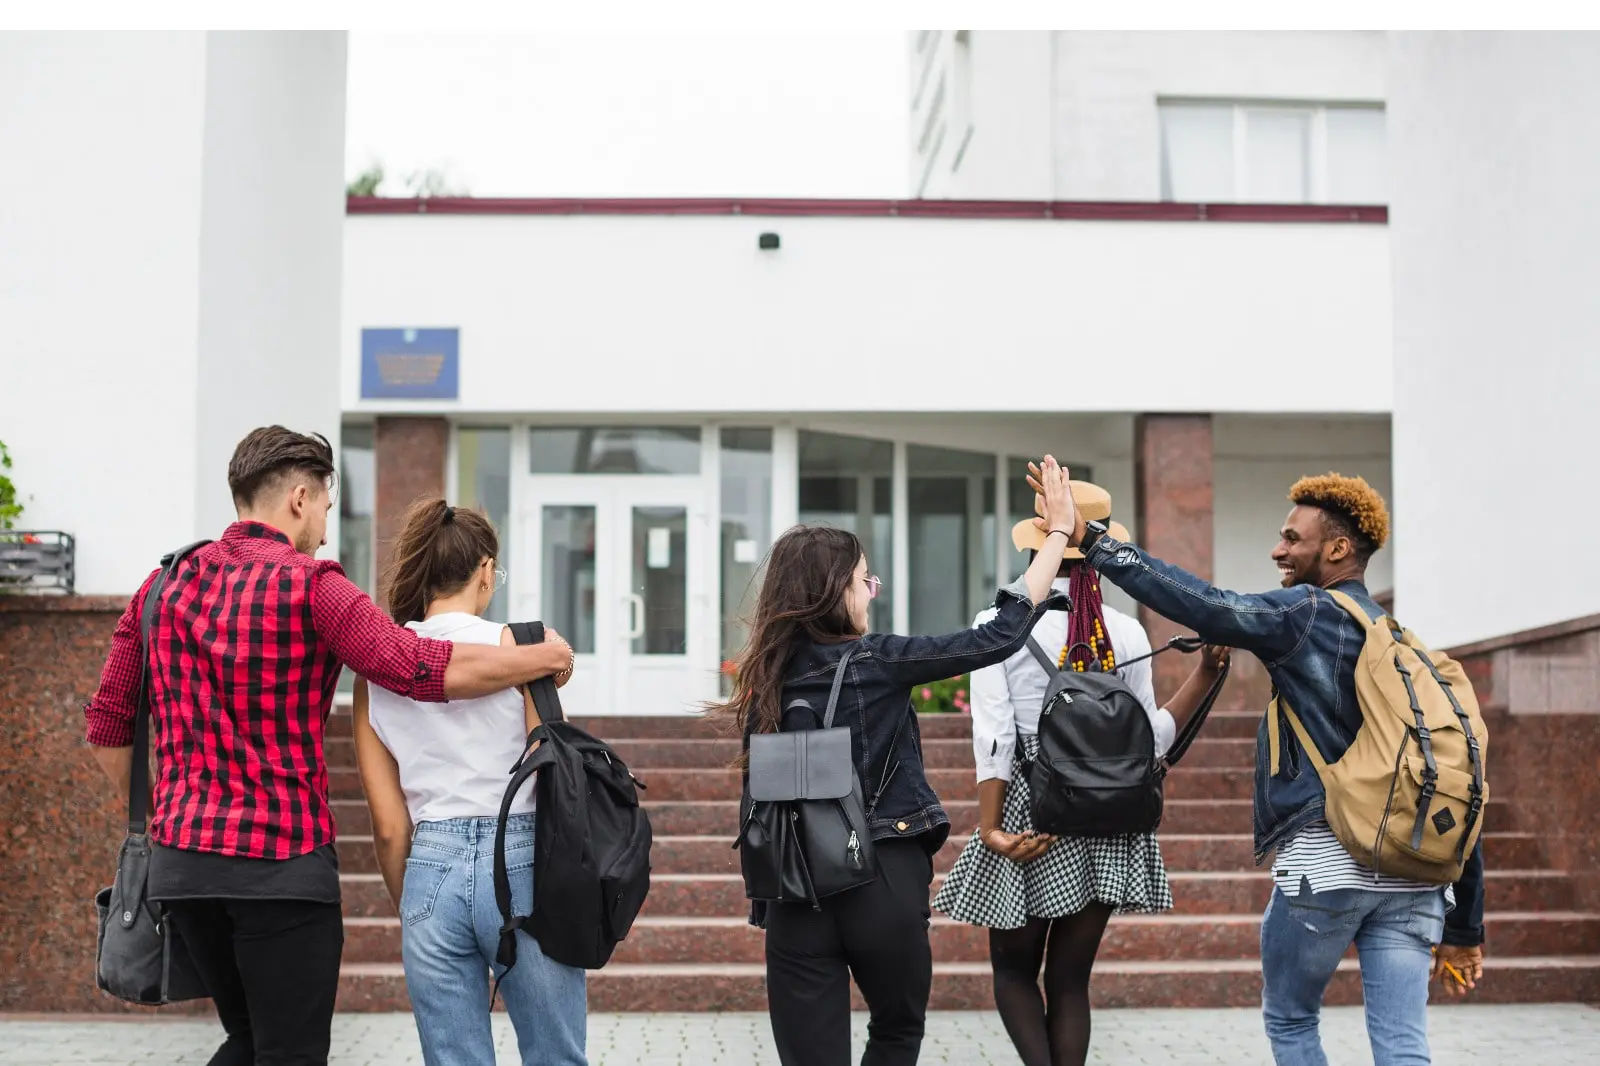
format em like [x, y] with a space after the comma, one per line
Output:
[244, 660]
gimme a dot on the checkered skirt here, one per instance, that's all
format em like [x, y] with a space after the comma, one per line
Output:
[987, 889]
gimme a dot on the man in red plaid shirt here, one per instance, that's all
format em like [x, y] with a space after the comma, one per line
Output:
[245, 653]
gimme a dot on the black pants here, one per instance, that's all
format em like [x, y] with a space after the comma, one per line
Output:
[272, 968]
[877, 933]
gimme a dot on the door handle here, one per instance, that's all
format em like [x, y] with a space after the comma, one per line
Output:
[635, 616]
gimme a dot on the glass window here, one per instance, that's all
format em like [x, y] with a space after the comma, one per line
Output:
[357, 500]
[483, 480]
[614, 450]
[1197, 152]
[1277, 156]
[566, 573]
[1357, 160]
[847, 482]
[951, 536]
[746, 530]
[658, 600]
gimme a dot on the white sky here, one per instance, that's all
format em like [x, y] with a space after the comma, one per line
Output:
[607, 114]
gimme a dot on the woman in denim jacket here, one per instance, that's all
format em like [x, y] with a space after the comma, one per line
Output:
[812, 610]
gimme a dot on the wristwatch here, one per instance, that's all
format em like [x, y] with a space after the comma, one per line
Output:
[1092, 531]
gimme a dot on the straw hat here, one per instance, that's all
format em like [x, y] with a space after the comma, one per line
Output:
[1092, 501]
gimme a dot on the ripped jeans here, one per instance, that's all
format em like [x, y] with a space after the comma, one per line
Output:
[1302, 940]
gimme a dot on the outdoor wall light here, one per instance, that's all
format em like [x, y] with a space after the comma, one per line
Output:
[767, 242]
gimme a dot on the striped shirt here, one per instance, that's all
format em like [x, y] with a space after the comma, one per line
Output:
[244, 656]
[1315, 857]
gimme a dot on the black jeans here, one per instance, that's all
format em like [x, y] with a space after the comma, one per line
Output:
[877, 933]
[272, 968]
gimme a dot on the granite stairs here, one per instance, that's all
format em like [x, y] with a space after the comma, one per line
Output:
[692, 949]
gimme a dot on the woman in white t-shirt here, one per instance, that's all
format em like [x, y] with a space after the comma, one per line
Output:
[434, 775]
[1046, 900]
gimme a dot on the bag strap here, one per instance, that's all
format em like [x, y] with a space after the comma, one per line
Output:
[506, 953]
[546, 697]
[1191, 728]
[833, 693]
[139, 777]
[1051, 668]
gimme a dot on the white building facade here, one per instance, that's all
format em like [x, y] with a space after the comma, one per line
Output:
[644, 394]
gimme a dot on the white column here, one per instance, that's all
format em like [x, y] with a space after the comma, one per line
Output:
[900, 537]
[785, 478]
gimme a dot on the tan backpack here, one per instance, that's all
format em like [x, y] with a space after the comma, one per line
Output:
[1407, 797]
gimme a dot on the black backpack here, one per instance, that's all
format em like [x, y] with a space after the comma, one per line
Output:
[591, 848]
[1096, 774]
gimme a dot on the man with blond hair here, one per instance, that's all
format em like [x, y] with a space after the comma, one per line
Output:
[1323, 900]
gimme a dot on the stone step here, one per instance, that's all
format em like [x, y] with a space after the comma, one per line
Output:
[967, 986]
[1134, 937]
[1194, 892]
[1221, 725]
[648, 755]
[717, 818]
[710, 818]
[722, 784]
[1181, 851]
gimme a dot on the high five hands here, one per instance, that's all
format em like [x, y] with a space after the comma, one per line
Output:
[1052, 499]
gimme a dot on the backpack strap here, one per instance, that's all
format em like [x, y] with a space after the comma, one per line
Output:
[139, 779]
[1197, 718]
[506, 954]
[547, 702]
[1051, 667]
[546, 697]
[833, 693]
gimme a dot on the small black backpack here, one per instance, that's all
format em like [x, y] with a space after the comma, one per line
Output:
[1096, 774]
[591, 846]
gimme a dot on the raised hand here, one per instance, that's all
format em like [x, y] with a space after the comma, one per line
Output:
[1052, 500]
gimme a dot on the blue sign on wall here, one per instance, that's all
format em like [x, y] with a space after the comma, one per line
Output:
[410, 364]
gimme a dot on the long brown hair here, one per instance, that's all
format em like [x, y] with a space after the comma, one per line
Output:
[436, 552]
[808, 572]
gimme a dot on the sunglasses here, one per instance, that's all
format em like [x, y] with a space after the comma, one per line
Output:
[874, 586]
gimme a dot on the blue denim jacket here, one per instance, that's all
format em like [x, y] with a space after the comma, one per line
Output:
[1309, 646]
[875, 703]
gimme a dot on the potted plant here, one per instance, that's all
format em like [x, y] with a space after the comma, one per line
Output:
[30, 559]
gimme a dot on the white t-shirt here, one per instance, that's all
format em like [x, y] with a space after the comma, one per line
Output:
[1007, 698]
[455, 758]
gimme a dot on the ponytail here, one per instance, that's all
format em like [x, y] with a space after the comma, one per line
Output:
[435, 554]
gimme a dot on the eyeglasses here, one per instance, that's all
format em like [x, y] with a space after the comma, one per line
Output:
[499, 578]
[874, 586]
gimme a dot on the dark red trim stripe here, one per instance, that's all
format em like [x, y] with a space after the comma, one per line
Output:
[1107, 211]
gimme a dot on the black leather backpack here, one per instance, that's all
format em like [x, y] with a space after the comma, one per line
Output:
[591, 841]
[1097, 774]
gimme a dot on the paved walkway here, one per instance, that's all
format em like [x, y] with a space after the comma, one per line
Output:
[1560, 1035]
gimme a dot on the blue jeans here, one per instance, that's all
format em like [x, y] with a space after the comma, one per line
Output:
[1302, 940]
[451, 931]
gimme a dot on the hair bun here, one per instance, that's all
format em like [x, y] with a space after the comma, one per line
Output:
[449, 514]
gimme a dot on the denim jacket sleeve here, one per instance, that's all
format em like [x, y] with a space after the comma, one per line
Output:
[919, 660]
[1463, 926]
[1270, 624]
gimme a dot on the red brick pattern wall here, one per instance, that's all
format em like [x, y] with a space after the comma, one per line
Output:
[62, 825]
[1173, 481]
[410, 454]
[1540, 693]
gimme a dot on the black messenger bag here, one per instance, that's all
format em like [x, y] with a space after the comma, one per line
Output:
[139, 957]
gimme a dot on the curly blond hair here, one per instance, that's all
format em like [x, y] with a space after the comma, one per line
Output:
[1348, 497]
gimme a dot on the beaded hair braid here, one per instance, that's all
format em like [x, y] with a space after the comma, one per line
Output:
[1086, 625]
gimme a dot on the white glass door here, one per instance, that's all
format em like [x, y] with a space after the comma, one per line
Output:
[622, 572]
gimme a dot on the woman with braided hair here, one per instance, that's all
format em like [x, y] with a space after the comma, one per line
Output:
[1046, 900]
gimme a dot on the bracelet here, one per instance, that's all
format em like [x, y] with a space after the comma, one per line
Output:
[1063, 532]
